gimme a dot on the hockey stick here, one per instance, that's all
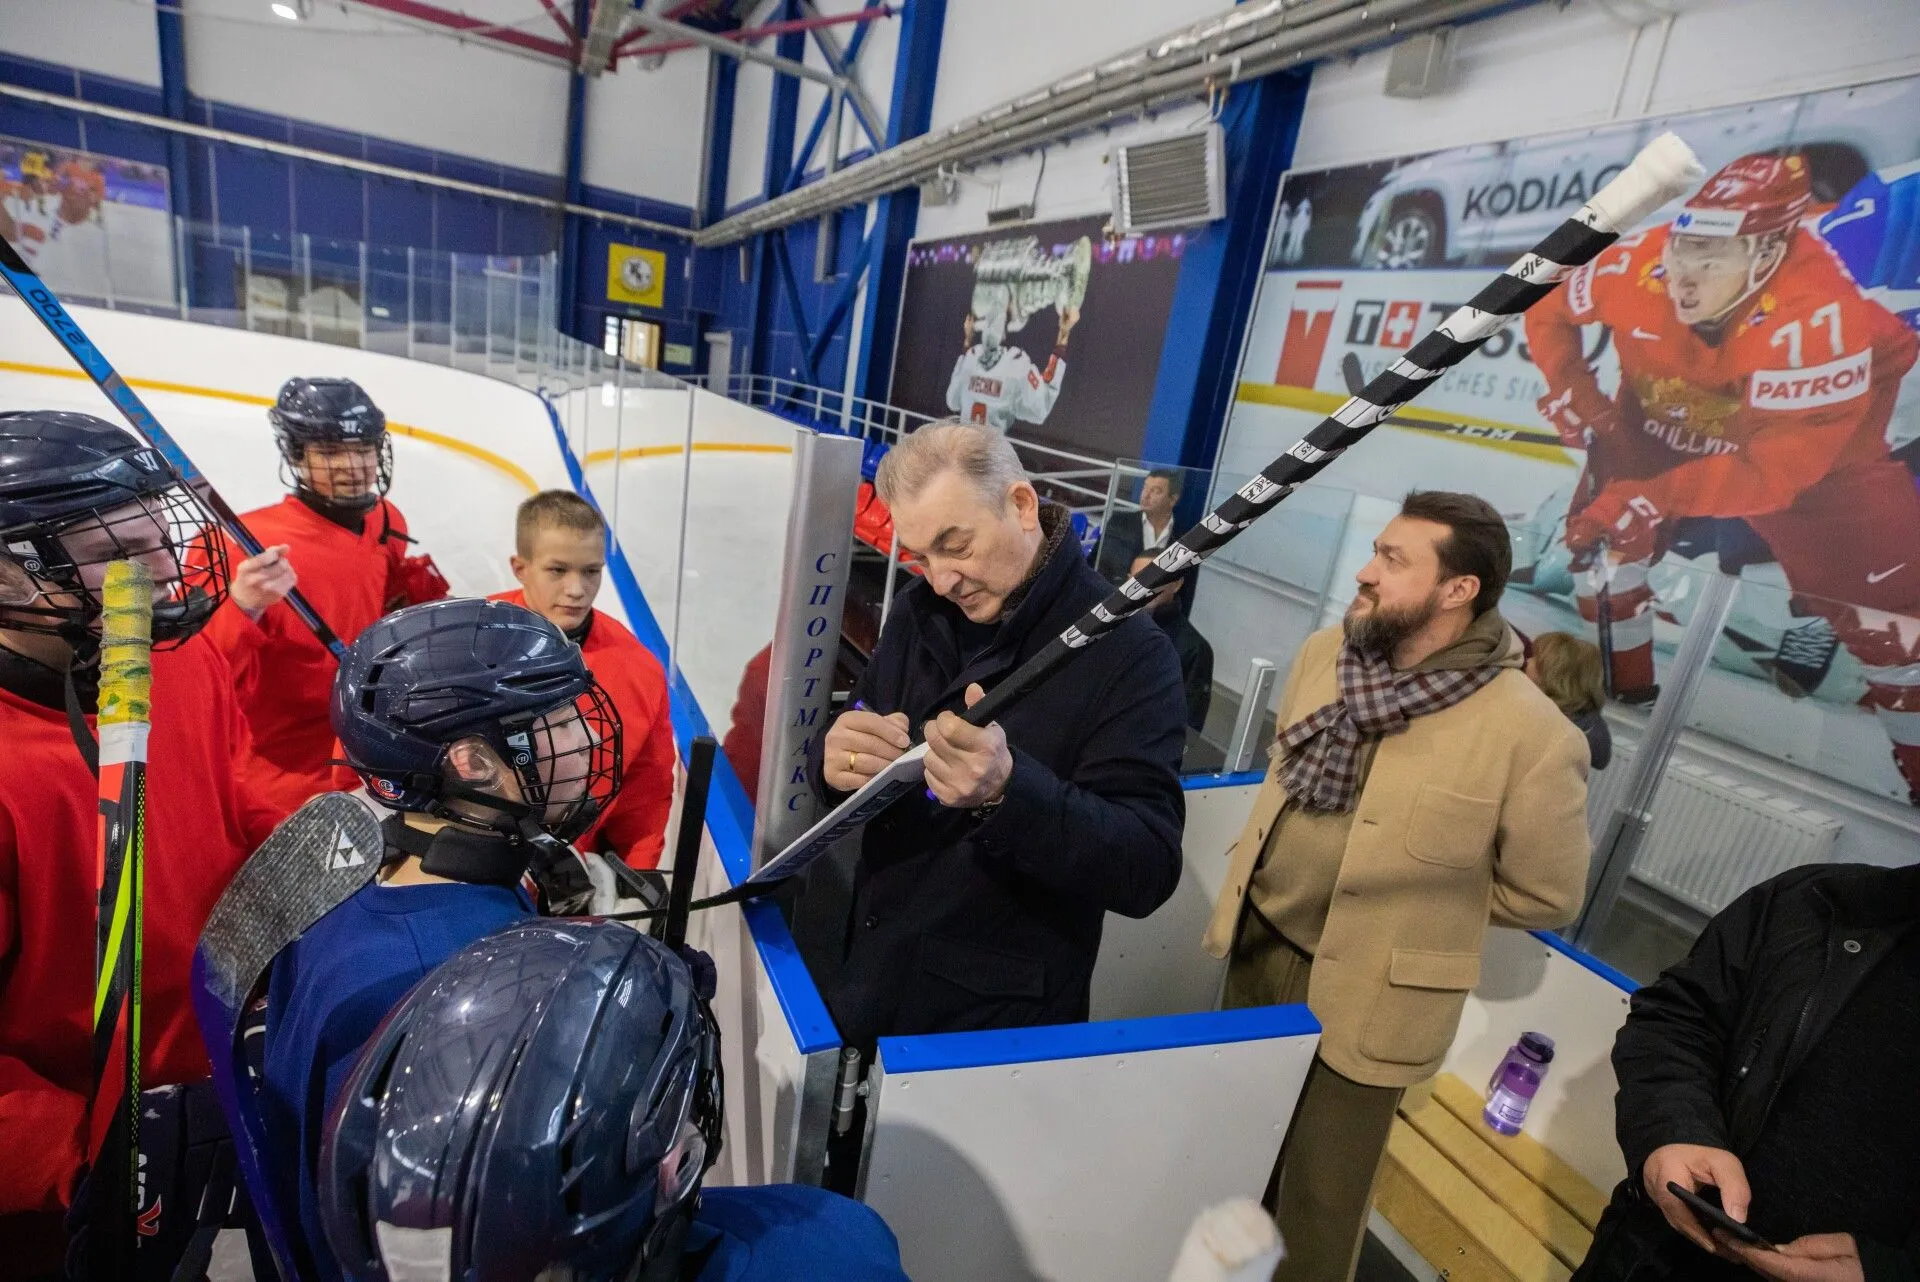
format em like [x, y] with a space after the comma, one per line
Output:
[1665, 169]
[1355, 378]
[60, 323]
[686, 846]
[126, 683]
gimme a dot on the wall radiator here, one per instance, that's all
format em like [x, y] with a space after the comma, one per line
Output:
[1712, 836]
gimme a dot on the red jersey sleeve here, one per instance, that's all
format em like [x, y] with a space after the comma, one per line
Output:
[412, 579]
[41, 1125]
[1839, 365]
[256, 814]
[635, 826]
[1554, 323]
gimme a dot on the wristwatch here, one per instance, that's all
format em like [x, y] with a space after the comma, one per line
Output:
[982, 813]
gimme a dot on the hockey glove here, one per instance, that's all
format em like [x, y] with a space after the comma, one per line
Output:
[1624, 519]
[416, 581]
[1581, 420]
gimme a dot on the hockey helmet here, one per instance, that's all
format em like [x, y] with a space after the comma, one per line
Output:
[543, 1104]
[332, 411]
[76, 493]
[1756, 195]
[420, 679]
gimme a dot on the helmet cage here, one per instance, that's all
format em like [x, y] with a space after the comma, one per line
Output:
[190, 584]
[295, 471]
[565, 787]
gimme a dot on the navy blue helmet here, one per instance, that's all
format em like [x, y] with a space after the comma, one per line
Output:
[76, 493]
[332, 412]
[544, 1104]
[421, 679]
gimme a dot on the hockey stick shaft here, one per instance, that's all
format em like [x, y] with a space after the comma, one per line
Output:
[1665, 169]
[125, 717]
[686, 846]
[60, 323]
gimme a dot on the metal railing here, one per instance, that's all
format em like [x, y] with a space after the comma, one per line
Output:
[1082, 482]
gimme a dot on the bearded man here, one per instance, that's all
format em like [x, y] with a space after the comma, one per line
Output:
[1421, 787]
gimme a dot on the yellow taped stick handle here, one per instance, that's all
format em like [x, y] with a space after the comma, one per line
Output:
[126, 662]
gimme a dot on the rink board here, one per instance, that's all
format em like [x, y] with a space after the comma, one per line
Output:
[1078, 1153]
[1113, 1133]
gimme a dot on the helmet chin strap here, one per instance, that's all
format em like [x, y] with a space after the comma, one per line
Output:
[486, 858]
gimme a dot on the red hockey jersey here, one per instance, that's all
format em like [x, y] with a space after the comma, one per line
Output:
[286, 675]
[202, 821]
[1800, 385]
[635, 826]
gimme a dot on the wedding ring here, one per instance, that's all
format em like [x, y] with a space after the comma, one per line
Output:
[853, 763]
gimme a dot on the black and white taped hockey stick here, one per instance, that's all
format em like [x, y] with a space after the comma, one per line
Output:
[1664, 170]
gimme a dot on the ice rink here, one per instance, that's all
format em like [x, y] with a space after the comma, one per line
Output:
[467, 449]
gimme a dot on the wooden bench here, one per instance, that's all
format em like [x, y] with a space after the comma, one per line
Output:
[1477, 1205]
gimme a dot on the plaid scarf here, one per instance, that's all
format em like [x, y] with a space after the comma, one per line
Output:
[1323, 748]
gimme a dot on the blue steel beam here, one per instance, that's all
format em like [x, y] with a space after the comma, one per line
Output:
[825, 113]
[572, 227]
[769, 253]
[173, 101]
[895, 215]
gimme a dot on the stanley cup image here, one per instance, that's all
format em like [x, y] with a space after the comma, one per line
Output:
[1013, 280]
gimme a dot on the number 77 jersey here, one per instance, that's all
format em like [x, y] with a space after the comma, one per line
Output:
[1796, 383]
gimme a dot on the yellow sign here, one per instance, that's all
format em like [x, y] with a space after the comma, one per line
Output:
[636, 275]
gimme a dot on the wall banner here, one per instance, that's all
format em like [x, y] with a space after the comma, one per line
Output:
[1727, 390]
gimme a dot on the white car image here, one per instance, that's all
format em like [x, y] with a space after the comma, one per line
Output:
[1491, 201]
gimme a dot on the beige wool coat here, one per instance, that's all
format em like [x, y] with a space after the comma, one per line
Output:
[1470, 816]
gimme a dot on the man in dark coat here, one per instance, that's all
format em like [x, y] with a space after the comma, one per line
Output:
[1776, 1066]
[979, 904]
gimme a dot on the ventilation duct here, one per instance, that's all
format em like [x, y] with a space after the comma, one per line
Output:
[1170, 182]
[1244, 43]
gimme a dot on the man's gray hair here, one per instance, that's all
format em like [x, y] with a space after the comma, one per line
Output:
[980, 454]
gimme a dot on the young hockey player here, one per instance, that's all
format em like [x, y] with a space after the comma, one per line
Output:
[481, 728]
[75, 494]
[349, 545]
[589, 1168]
[560, 556]
[1756, 381]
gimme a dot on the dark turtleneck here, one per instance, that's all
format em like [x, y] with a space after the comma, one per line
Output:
[37, 683]
[347, 517]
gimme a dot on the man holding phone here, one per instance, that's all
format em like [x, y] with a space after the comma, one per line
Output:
[1772, 1075]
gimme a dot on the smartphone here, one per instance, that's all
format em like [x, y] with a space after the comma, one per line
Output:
[1712, 1217]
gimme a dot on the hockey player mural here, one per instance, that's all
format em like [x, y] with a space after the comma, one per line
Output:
[993, 383]
[1732, 391]
[1756, 382]
[987, 323]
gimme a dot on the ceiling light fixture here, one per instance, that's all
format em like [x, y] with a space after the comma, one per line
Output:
[287, 11]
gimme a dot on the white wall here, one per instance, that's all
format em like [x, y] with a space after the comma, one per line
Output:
[747, 154]
[1544, 68]
[980, 67]
[350, 71]
[109, 37]
[993, 50]
[646, 129]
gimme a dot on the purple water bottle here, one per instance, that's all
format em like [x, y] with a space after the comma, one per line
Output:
[1516, 1081]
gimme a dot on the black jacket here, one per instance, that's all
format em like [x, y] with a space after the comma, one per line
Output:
[1706, 1048]
[961, 923]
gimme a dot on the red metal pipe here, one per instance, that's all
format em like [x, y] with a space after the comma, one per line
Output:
[473, 27]
[624, 48]
[566, 23]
